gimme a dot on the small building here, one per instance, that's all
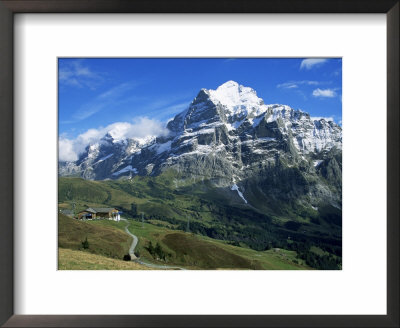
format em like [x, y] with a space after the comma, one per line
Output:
[95, 213]
[88, 214]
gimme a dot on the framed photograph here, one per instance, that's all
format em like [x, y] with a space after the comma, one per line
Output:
[199, 178]
[206, 164]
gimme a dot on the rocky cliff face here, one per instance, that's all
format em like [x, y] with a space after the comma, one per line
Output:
[230, 138]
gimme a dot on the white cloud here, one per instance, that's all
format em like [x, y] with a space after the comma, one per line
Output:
[296, 84]
[117, 90]
[69, 149]
[75, 73]
[311, 62]
[66, 150]
[327, 93]
[107, 98]
[142, 127]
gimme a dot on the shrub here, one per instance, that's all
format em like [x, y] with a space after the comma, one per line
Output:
[127, 257]
[85, 244]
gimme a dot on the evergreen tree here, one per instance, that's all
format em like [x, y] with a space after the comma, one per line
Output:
[159, 252]
[133, 209]
[150, 248]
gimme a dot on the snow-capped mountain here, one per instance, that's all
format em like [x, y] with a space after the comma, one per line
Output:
[237, 108]
[229, 137]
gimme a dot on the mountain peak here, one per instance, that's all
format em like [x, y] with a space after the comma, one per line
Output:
[228, 84]
[233, 89]
[107, 137]
[236, 98]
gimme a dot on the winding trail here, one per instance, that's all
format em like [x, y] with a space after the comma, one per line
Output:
[135, 259]
[134, 241]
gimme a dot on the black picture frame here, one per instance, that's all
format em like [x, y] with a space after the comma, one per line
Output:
[10, 7]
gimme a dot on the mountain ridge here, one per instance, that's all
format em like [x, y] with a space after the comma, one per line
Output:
[231, 138]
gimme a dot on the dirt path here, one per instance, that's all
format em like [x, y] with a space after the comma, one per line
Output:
[134, 241]
[135, 259]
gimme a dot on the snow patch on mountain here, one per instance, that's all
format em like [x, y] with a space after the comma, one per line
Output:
[235, 187]
[164, 147]
[126, 169]
[104, 158]
[93, 151]
[189, 133]
[318, 118]
[256, 121]
[317, 162]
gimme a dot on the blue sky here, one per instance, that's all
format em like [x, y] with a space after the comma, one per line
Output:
[97, 92]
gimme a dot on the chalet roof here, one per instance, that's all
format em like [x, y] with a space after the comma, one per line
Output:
[100, 209]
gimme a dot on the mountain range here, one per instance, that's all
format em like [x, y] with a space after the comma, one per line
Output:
[233, 140]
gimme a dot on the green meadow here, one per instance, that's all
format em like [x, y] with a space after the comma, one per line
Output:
[107, 240]
[193, 225]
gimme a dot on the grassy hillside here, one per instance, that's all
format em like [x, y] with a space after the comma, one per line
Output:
[103, 240]
[69, 259]
[200, 252]
[96, 193]
[170, 202]
[108, 243]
